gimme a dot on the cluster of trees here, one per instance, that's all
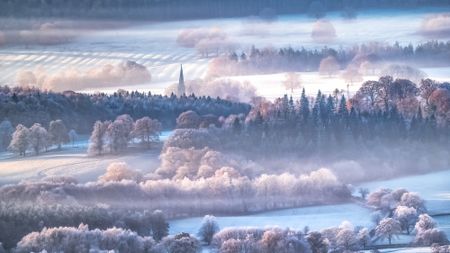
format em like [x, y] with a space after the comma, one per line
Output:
[345, 238]
[27, 106]
[176, 9]
[18, 219]
[130, 230]
[385, 121]
[395, 205]
[383, 111]
[114, 136]
[226, 191]
[402, 211]
[365, 58]
[36, 138]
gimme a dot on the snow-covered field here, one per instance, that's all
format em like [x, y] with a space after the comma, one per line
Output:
[433, 187]
[316, 218]
[72, 161]
[154, 46]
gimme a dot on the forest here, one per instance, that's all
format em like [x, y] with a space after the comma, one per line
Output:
[27, 106]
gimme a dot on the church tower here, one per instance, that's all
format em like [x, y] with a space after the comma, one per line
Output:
[181, 87]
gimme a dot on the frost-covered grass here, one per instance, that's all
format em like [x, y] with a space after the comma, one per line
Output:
[404, 250]
[315, 217]
[433, 187]
[72, 164]
[72, 161]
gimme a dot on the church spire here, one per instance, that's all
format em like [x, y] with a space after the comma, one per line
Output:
[181, 86]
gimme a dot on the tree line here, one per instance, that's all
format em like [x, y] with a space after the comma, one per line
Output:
[114, 136]
[397, 212]
[37, 138]
[365, 58]
[383, 111]
[80, 111]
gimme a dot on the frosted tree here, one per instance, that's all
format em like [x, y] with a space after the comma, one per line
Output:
[58, 132]
[147, 129]
[346, 239]
[208, 228]
[292, 82]
[431, 236]
[160, 227]
[363, 237]
[412, 199]
[73, 136]
[181, 243]
[39, 138]
[83, 240]
[117, 136]
[318, 242]
[407, 216]
[128, 124]
[273, 240]
[427, 233]
[188, 119]
[329, 66]
[425, 222]
[388, 228]
[119, 171]
[20, 140]
[97, 141]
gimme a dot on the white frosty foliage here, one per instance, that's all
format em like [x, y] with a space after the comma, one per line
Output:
[119, 171]
[83, 240]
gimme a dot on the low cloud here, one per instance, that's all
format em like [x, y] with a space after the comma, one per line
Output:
[124, 73]
[436, 26]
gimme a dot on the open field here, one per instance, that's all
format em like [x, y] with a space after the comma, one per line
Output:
[153, 45]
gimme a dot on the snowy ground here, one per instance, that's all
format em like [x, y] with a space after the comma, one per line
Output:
[433, 187]
[403, 250]
[72, 161]
[317, 217]
[153, 45]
